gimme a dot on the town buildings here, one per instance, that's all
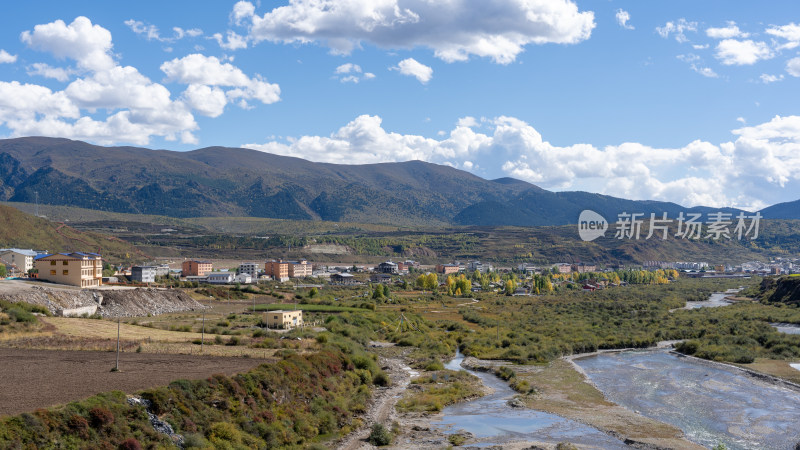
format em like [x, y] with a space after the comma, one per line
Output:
[447, 269]
[143, 274]
[17, 259]
[193, 268]
[250, 268]
[75, 269]
[278, 270]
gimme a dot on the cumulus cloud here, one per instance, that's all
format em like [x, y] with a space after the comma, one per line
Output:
[231, 41]
[793, 67]
[107, 103]
[209, 71]
[413, 68]
[351, 73]
[7, 58]
[744, 172]
[727, 32]
[454, 30]
[735, 52]
[89, 45]
[48, 71]
[790, 33]
[622, 19]
[677, 29]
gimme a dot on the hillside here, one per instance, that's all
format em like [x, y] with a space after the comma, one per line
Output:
[784, 289]
[787, 210]
[21, 230]
[235, 182]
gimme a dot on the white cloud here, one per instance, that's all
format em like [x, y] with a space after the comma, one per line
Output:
[734, 52]
[109, 103]
[767, 78]
[7, 58]
[89, 45]
[730, 31]
[793, 67]
[197, 69]
[48, 71]
[622, 19]
[454, 30]
[678, 29]
[151, 32]
[351, 73]
[790, 33]
[704, 71]
[412, 67]
[745, 172]
[231, 41]
[207, 100]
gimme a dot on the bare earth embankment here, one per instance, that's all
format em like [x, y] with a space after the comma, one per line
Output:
[41, 378]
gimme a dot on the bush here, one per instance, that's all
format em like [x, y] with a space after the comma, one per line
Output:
[20, 315]
[381, 379]
[379, 436]
[101, 417]
[130, 444]
[79, 426]
[434, 365]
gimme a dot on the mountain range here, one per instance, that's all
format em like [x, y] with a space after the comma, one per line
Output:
[236, 182]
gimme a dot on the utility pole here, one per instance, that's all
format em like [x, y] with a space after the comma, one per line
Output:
[116, 367]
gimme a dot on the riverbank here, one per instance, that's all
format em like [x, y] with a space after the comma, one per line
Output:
[563, 389]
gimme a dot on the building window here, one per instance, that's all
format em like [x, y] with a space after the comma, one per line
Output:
[52, 272]
[52, 263]
[65, 272]
[65, 263]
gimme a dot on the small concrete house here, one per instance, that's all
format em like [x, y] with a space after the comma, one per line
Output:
[284, 319]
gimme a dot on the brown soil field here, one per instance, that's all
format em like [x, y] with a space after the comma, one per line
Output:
[31, 379]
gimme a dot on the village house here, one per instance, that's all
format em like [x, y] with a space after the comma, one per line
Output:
[447, 269]
[284, 319]
[250, 268]
[143, 274]
[300, 269]
[387, 267]
[75, 269]
[343, 278]
[278, 270]
[194, 268]
[18, 259]
[380, 278]
[220, 278]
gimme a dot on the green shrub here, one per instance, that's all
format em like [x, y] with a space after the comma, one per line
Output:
[379, 436]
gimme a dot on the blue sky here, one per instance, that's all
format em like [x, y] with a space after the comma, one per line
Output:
[686, 101]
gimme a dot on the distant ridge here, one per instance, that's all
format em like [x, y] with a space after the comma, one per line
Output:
[220, 181]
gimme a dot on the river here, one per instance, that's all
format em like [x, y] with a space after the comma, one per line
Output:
[493, 422]
[712, 404]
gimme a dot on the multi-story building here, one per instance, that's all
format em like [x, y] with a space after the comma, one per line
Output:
[387, 267]
[564, 268]
[447, 269]
[143, 274]
[300, 269]
[472, 266]
[584, 268]
[284, 319]
[278, 270]
[250, 268]
[76, 269]
[195, 268]
[162, 270]
[17, 258]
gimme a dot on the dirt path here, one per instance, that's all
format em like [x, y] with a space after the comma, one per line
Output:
[33, 379]
[381, 409]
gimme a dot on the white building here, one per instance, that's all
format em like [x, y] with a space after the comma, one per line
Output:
[220, 277]
[143, 274]
[17, 258]
[244, 278]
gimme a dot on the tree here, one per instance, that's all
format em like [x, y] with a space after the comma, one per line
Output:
[2, 271]
[510, 287]
[313, 292]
